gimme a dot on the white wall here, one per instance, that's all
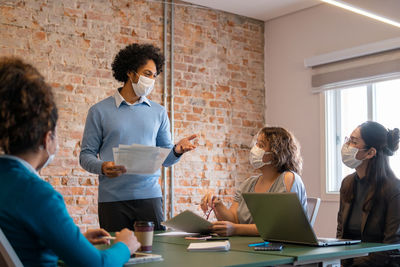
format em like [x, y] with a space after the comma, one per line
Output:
[288, 41]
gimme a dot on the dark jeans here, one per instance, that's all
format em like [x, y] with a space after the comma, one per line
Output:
[114, 216]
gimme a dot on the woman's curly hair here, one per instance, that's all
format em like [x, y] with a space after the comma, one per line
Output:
[133, 57]
[285, 149]
[27, 107]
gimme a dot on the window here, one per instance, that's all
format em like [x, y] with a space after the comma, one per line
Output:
[345, 109]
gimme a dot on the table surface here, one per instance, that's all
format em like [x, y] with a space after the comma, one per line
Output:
[177, 255]
[174, 252]
[299, 253]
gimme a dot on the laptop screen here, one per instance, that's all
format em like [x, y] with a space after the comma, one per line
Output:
[280, 217]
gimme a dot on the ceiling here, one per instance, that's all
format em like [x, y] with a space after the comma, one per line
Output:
[258, 9]
[269, 9]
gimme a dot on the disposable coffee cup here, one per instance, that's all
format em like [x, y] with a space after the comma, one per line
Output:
[144, 234]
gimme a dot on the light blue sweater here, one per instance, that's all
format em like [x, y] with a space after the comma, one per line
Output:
[109, 124]
[35, 220]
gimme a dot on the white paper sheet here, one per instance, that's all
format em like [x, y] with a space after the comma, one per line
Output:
[140, 159]
[177, 233]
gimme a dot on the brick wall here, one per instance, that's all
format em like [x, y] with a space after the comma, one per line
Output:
[219, 85]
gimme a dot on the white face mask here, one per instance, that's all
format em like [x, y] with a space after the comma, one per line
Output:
[256, 157]
[349, 156]
[144, 86]
[51, 156]
[49, 159]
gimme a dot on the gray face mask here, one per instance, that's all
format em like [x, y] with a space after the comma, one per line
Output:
[349, 156]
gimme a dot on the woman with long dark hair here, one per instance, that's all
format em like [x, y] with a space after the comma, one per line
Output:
[370, 197]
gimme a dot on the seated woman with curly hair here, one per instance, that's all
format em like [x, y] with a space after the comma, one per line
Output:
[33, 215]
[276, 154]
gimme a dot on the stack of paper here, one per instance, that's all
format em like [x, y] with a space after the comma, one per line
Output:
[140, 159]
[210, 246]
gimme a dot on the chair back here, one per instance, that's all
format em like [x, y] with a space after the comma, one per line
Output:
[8, 257]
[312, 208]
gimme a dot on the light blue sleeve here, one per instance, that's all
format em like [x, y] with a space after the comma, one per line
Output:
[91, 142]
[299, 188]
[163, 139]
[46, 215]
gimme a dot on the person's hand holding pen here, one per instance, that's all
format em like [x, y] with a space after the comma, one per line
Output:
[208, 204]
[97, 236]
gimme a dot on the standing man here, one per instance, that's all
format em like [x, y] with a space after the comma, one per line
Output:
[128, 117]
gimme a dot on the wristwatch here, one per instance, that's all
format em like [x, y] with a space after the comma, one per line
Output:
[176, 153]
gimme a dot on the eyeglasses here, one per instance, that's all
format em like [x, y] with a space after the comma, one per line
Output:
[349, 140]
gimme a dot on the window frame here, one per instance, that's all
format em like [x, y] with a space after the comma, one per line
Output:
[335, 100]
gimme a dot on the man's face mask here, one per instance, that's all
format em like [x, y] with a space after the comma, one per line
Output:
[144, 86]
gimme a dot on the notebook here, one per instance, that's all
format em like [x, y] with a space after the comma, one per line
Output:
[280, 217]
[209, 246]
[189, 222]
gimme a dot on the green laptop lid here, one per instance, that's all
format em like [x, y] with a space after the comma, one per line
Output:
[280, 217]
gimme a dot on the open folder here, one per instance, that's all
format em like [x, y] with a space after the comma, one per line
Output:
[140, 159]
[189, 222]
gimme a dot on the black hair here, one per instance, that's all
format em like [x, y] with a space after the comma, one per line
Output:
[27, 107]
[385, 142]
[133, 57]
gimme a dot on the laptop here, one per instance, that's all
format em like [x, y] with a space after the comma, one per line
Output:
[280, 217]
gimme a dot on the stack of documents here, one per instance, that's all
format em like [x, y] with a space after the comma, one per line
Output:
[140, 159]
[210, 246]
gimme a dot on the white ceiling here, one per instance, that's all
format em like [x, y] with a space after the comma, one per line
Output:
[257, 9]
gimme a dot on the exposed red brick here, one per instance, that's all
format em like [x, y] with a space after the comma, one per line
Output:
[217, 62]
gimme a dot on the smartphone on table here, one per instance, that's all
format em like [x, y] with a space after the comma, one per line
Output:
[270, 247]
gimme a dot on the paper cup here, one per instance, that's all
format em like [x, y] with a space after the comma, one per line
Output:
[144, 234]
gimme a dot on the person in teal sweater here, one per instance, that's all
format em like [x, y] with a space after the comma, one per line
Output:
[33, 216]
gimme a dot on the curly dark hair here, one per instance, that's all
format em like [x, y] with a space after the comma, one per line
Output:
[27, 107]
[133, 57]
[285, 149]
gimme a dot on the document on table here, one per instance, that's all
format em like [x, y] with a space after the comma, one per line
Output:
[209, 246]
[190, 222]
[140, 159]
[176, 233]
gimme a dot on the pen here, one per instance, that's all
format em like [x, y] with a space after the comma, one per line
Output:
[109, 237]
[258, 244]
[217, 239]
